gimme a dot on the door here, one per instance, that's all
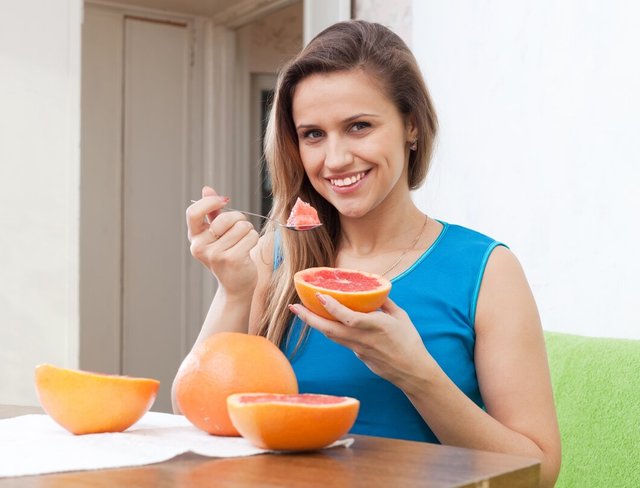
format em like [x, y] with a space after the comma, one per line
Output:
[154, 196]
[136, 272]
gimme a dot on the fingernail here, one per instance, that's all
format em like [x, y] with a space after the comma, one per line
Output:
[293, 309]
[321, 298]
[225, 199]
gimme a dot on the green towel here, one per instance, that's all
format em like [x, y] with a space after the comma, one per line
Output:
[596, 384]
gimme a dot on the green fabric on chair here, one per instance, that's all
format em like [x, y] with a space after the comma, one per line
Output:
[596, 384]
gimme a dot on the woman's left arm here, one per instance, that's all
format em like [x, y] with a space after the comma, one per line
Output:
[511, 360]
[513, 375]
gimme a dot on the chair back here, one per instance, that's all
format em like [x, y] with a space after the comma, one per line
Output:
[596, 384]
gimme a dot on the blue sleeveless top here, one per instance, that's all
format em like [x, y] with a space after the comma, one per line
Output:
[439, 292]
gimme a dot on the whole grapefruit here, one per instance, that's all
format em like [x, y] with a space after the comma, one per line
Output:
[227, 363]
[359, 291]
[88, 403]
[292, 422]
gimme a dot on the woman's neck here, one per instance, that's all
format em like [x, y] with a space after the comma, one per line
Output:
[384, 230]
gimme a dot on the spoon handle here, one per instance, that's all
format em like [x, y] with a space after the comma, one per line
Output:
[229, 209]
[251, 213]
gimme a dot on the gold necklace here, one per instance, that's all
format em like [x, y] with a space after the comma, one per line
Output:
[413, 244]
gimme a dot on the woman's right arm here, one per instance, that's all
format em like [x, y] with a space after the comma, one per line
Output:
[226, 244]
[222, 242]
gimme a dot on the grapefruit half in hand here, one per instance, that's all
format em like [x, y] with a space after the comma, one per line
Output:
[292, 422]
[359, 291]
[88, 403]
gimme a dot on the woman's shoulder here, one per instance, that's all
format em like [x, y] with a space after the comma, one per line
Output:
[463, 232]
[459, 238]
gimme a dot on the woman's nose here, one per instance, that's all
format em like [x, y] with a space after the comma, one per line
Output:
[338, 154]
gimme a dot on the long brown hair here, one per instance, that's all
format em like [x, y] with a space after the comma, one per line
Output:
[344, 46]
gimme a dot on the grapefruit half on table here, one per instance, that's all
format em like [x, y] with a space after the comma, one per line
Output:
[299, 422]
[87, 403]
[357, 290]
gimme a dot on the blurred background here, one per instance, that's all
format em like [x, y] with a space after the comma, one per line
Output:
[114, 114]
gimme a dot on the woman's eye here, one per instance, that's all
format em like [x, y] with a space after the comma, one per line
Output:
[312, 134]
[358, 126]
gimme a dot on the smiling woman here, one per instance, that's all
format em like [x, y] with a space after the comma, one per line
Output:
[455, 354]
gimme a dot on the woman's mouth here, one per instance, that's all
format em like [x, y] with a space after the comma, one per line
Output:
[347, 182]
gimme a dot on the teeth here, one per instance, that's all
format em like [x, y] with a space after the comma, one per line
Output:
[350, 180]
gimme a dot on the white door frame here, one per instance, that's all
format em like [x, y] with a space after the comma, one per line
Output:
[227, 122]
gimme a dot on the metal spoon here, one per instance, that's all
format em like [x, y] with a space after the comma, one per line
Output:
[300, 228]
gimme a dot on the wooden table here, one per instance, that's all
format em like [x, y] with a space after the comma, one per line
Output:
[370, 462]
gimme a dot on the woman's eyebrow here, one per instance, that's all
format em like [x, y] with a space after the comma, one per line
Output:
[347, 120]
[305, 126]
[357, 116]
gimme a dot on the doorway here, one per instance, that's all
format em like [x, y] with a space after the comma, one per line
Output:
[262, 92]
[165, 108]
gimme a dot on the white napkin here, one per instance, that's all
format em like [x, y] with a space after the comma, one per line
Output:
[35, 444]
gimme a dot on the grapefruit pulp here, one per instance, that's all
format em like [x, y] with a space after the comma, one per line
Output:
[303, 216]
[88, 403]
[227, 363]
[292, 422]
[359, 291]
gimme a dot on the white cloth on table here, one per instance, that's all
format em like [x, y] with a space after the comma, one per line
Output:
[35, 444]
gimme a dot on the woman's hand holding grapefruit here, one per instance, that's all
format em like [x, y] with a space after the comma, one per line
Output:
[222, 241]
[385, 340]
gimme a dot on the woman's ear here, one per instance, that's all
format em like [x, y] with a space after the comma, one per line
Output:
[411, 129]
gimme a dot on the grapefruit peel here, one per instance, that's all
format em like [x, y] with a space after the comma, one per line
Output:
[292, 422]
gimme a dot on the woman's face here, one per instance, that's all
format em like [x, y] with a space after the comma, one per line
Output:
[353, 141]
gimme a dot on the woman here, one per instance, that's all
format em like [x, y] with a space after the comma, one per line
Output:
[456, 355]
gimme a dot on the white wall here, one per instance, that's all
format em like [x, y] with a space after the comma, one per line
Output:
[269, 42]
[539, 106]
[39, 175]
[396, 15]
[320, 14]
